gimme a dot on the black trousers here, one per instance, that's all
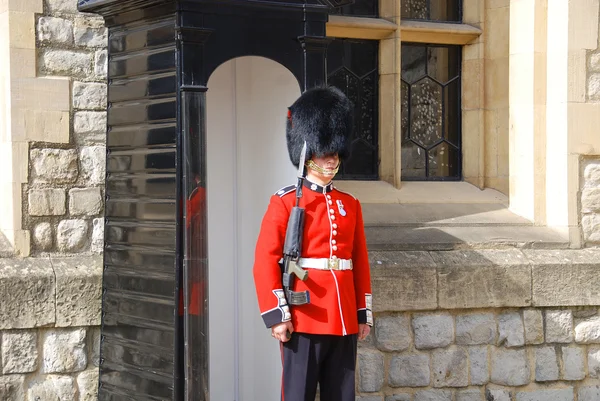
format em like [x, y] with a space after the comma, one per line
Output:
[326, 360]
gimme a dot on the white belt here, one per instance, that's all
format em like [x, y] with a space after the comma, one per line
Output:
[325, 264]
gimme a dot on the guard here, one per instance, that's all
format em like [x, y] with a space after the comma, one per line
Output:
[318, 335]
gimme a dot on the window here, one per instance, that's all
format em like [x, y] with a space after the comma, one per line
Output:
[432, 10]
[431, 140]
[352, 66]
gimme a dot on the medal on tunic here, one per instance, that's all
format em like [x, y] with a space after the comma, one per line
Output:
[341, 207]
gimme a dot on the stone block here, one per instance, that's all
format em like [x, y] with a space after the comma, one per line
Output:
[90, 127]
[450, 368]
[91, 37]
[567, 277]
[595, 62]
[590, 226]
[469, 395]
[594, 87]
[588, 331]
[369, 398]
[52, 388]
[64, 351]
[409, 370]
[398, 397]
[12, 387]
[594, 362]
[392, 332]
[559, 326]
[497, 395]
[87, 383]
[573, 362]
[27, 291]
[57, 30]
[79, 291]
[72, 235]
[511, 331]
[475, 329]
[510, 367]
[370, 370]
[534, 326]
[562, 394]
[61, 6]
[66, 62]
[480, 279]
[433, 395]
[46, 202]
[55, 166]
[19, 352]
[94, 345]
[101, 63]
[546, 364]
[403, 281]
[98, 236]
[479, 372]
[43, 236]
[590, 200]
[89, 96]
[85, 201]
[589, 393]
[93, 164]
[433, 331]
[591, 171]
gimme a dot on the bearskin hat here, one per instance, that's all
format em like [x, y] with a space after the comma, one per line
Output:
[322, 117]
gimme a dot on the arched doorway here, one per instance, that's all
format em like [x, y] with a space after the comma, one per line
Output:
[247, 161]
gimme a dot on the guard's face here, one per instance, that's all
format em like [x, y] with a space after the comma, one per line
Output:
[326, 167]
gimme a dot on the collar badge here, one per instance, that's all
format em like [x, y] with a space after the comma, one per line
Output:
[313, 187]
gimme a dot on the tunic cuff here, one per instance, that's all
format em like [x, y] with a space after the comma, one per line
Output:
[365, 315]
[279, 314]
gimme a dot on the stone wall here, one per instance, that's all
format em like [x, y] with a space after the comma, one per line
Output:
[483, 355]
[590, 201]
[49, 328]
[64, 196]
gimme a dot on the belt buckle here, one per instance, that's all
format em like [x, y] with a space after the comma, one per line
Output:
[333, 264]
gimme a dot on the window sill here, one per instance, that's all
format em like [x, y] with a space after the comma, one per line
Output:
[438, 32]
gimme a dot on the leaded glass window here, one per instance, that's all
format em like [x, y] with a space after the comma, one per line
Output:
[352, 66]
[360, 8]
[431, 139]
[432, 10]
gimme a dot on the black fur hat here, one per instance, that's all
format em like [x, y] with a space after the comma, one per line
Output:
[323, 118]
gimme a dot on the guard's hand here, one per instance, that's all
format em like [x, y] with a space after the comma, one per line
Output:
[363, 331]
[280, 331]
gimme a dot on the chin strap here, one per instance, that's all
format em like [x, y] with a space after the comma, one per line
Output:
[313, 166]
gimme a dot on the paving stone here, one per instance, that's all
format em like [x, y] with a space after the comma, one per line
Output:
[563, 394]
[588, 331]
[588, 393]
[559, 326]
[409, 370]
[497, 395]
[12, 387]
[433, 331]
[52, 388]
[510, 367]
[475, 329]
[371, 370]
[88, 96]
[534, 326]
[594, 362]
[546, 364]
[85, 201]
[71, 235]
[469, 395]
[479, 372]
[87, 383]
[55, 166]
[19, 352]
[58, 30]
[511, 330]
[450, 368]
[392, 332]
[64, 351]
[433, 395]
[573, 362]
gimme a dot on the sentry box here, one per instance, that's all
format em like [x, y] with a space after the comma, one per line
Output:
[198, 92]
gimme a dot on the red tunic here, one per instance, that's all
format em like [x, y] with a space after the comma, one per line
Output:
[333, 228]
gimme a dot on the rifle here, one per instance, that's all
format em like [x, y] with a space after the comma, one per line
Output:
[293, 245]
